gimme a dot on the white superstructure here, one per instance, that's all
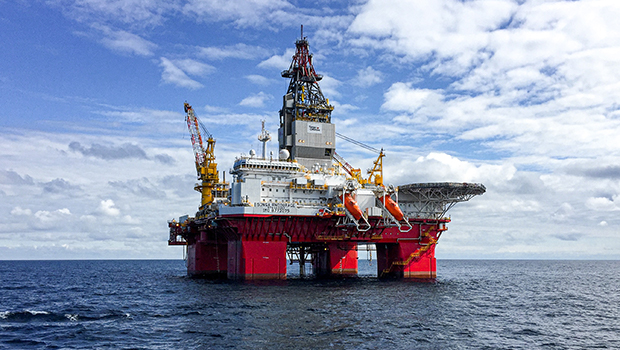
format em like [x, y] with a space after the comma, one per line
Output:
[268, 186]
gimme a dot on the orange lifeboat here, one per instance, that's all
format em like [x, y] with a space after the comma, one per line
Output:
[392, 207]
[352, 206]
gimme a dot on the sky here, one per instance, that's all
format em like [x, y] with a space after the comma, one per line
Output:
[521, 96]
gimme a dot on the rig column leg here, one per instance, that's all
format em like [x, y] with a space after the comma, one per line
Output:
[337, 260]
[256, 260]
[207, 257]
[302, 261]
[406, 260]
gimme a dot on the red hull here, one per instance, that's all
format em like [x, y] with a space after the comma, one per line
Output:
[254, 246]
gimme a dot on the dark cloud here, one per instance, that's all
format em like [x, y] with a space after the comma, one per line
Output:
[568, 236]
[603, 172]
[126, 150]
[180, 185]
[59, 186]
[522, 183]
[164, 159]
[140, 187]
[13, 178]
[565, 211]
[607, 172]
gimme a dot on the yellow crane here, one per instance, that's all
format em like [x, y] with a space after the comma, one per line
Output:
[210, 186]
[375, 175]
[355, 173]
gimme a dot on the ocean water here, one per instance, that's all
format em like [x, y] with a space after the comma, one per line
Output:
[473, 304]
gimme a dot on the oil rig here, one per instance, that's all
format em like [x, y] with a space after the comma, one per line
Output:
[308, 204]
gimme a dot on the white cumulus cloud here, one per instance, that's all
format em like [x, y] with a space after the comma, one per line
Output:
[280, 62]
[107, 208]
[603, 204]
[258, 79]
[126, 42]
[173, 74]
[239, 51]
[256, 100]
[18, 211]
[368, 77]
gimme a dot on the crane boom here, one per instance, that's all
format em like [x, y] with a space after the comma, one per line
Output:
[206, 168]
[353, 172]
[375, 175]
[194, 131]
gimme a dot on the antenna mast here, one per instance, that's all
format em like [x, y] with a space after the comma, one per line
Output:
[264, 137]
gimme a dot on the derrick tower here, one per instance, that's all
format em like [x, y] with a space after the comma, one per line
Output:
[305, 129]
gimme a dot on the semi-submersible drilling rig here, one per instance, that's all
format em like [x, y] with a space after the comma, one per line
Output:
[308, 204]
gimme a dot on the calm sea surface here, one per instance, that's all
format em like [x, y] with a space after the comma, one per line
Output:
[153, 305]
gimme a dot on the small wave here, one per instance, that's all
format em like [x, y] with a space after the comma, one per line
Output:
[191, 313]
[109, 315]
[25, 342]
[29, 316]
[46, 316]
[528, 331]
[34, 312]
[16, 287]
[251, 306]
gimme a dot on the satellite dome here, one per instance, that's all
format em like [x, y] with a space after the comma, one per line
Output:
[284, 154]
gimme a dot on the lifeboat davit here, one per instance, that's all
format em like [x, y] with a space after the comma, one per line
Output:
[392, 207]
[352, 206]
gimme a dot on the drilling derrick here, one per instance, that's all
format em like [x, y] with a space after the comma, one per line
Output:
[305, 118]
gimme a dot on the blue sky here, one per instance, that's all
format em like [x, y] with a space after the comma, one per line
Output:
[518, 95]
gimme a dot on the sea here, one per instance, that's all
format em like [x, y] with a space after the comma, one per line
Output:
[152, 304]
